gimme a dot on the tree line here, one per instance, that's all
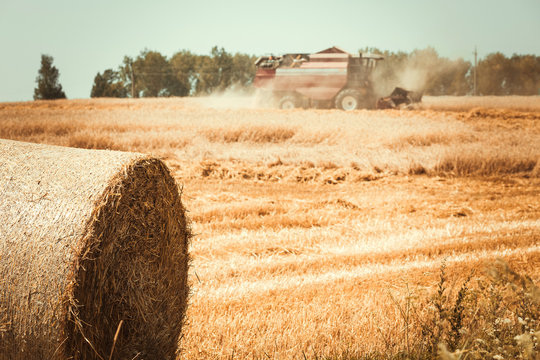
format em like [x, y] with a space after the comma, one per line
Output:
[151, 74]
[496, 74]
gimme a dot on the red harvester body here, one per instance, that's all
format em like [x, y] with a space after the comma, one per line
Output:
[329, 78]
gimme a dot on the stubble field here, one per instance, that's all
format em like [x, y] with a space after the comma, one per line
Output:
[320, 233]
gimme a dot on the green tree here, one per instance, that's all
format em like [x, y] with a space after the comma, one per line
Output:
[184, 73]
[493, 74]
[48, 87]
[523, 75]
[242, 70]
[448, 77]
[153, 74]
[460, 83]
[223, 63]
[128, 78]
[214, 71]
[108, 84]
[207, 74]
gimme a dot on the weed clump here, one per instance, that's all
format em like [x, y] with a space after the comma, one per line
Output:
[496, 317]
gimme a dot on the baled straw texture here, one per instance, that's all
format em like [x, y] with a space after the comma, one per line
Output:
[91, 243]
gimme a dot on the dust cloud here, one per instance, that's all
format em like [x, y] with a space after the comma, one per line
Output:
[410, 76]
[421, 71]
[230, 98]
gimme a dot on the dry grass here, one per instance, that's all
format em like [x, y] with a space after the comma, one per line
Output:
[286, 289]
[301, 146]
[306, 220]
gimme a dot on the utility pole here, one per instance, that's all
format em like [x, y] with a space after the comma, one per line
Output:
[475, 73]
[133, 81]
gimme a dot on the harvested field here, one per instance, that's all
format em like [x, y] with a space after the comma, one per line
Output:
[270, 145]
[316, 229]
[93, 254]
[467, 103]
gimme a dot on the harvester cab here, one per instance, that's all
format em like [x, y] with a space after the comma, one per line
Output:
[284, 61]
[326, 79]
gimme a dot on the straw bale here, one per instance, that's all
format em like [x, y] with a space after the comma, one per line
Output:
[93, 243]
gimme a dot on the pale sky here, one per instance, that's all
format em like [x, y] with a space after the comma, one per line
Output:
[86, 37]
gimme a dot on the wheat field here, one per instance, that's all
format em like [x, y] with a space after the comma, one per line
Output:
[312, 227]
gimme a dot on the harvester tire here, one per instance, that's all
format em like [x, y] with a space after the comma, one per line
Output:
[288, 102]
[349, 99]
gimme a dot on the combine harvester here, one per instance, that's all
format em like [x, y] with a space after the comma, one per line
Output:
[327, 79]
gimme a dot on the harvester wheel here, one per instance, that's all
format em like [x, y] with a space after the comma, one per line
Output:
[348, 100]
[288, 102]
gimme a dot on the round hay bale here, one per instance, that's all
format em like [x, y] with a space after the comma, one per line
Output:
[93, 255]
